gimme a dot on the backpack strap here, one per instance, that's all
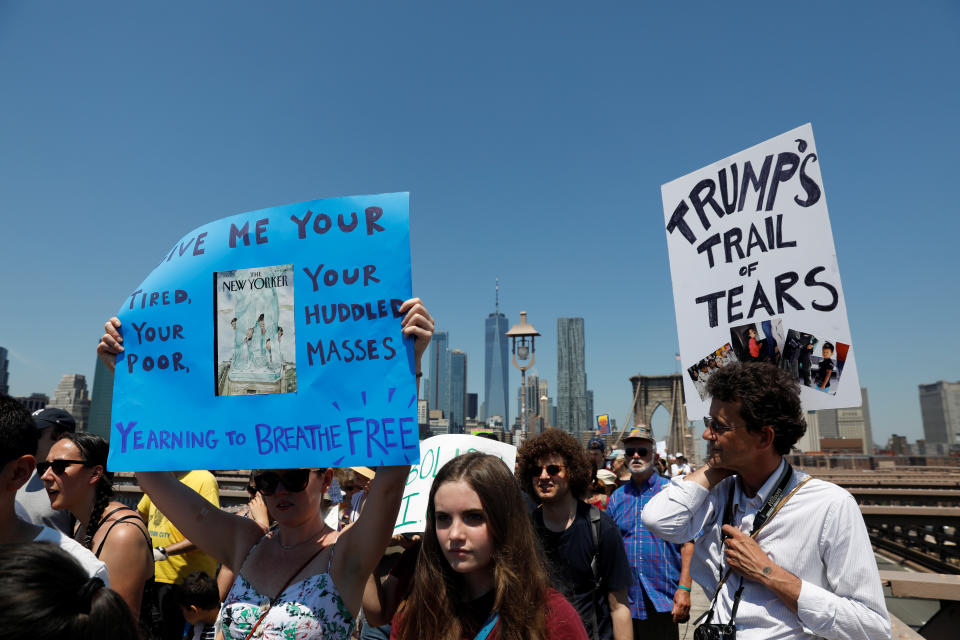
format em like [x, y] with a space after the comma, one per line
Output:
[594, 518]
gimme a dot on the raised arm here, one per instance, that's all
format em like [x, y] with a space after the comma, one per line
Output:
[360, 547]
[683, 507]
[224, 536]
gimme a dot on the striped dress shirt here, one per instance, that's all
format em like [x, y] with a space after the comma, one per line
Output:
[819, 536]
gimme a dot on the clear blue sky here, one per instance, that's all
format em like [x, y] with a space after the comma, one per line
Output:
[533, 137]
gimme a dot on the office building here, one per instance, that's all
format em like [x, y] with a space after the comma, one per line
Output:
[810, 440]
[591, 418]
[496, 364]
[439, 367]
[458, 391]
[571, 377]
[35, 401]
[4, 372]
[472, 406]
[852, 423]
[71, 395]
[101, 401]
[940, 411]
[532, 400]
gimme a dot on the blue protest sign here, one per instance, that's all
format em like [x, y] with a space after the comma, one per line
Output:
[272, 339]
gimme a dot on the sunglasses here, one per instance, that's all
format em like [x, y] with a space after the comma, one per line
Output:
[552, 469]
[293, 480]
[58, 466]
[715, 426]
[641, 451]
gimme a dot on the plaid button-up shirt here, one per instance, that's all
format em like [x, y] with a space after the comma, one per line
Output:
[655, 563]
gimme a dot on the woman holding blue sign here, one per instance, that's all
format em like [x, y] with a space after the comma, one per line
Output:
[481, 573]
[304, 579]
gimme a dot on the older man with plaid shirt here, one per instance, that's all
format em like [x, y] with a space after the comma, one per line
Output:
[660, 596]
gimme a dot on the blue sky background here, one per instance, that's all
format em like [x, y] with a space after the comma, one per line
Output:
[533, 137]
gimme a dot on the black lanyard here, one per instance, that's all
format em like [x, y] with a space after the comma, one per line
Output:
[759, 520]
[768, 507]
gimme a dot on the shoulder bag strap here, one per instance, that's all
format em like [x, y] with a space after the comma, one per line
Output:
[280, 592]
[487, 628]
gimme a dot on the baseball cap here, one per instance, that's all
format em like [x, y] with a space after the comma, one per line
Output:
[54, 417]
[641, 432]
[596, 443]
[607, 477]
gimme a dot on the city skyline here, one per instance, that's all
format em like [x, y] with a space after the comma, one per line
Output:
[539, 162]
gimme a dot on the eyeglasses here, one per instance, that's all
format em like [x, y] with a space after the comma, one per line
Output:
[294, 480]
[58, 466]
[552, 469]
[640, 451]
[715, 426]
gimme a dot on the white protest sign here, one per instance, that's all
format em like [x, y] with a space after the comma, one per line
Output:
[662, 448]
[755, 274]
[434, 453]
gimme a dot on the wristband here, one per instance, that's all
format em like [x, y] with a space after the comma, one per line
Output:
[680, 586]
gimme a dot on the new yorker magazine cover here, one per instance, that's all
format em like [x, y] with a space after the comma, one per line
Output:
[254, 344]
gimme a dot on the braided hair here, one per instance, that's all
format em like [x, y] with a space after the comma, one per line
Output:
[94, 450]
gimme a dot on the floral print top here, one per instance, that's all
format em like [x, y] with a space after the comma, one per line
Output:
[310, 609]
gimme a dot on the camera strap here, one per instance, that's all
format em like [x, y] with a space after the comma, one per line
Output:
[774, 502]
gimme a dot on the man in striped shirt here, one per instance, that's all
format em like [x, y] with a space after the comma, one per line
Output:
[660, 595]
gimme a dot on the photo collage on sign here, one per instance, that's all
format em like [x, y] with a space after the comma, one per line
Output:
[716, 359]
[814, 362]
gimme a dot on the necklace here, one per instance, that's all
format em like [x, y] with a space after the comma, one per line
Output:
[311, 538]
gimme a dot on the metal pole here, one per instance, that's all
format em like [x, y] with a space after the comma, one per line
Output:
[523, 402]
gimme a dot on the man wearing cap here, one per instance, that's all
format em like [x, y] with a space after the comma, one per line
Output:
[597, 452]
[660, 595]
[583, 546]
[32, 500]
[18, 446]
[680, 467]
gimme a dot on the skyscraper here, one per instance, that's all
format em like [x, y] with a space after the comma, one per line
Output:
[496, 372]
[571, 377]
[71, 395]
[940, 410]
[532, 402]
[101, 402]
[472, 406]
[4, 372]
[458, 390]
[591, 418]
[440, 372]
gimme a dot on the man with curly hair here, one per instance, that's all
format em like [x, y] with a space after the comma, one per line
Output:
[660, 596]
[810, 570]
[583, 546]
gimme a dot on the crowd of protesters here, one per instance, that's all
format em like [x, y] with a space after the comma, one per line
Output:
[563, 546]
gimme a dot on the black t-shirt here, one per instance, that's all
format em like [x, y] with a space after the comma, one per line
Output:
[474, 614]
[569, 554]
[826, 366]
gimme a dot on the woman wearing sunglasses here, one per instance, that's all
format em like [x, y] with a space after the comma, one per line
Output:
[481, 573]
[76, 479]
[293, 582]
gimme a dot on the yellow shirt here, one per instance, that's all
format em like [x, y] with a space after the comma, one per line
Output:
[164, 534]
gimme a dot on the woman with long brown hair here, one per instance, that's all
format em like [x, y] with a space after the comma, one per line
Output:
[481, 573]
